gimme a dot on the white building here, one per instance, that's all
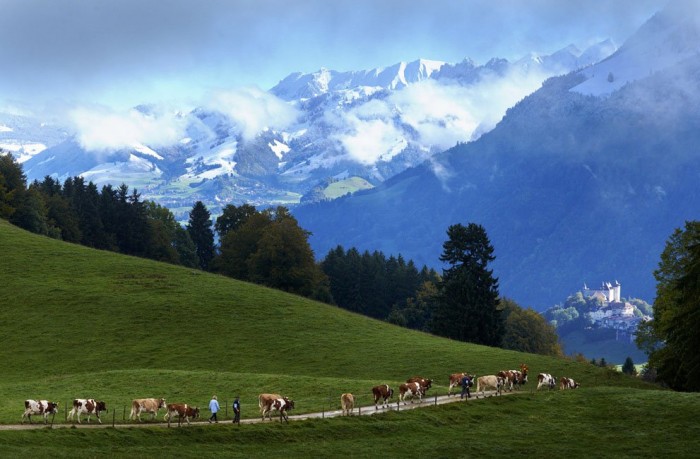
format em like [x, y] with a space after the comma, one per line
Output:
[609, 292]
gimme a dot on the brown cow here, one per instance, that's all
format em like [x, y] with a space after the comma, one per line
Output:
[347, 403]
[384, 392]
[181, 410]
[265, 401]
[280, 404]
[455, 380]
[567, 383]
[411, 390]
[425, 384]
[87, 406]
[148, 405]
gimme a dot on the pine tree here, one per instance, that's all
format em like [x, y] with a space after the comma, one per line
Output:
[628, 367]
[199, 228]
[467, 308]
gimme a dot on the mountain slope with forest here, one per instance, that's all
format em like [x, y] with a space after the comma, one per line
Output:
[571, 188]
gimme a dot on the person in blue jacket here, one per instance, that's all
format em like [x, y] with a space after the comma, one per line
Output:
[214, 408]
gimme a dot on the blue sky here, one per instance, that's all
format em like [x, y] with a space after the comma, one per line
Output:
[125, 52]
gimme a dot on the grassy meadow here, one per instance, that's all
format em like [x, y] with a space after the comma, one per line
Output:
[81, 323]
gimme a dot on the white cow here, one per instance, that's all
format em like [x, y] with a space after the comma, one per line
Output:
[489, 382]
[148, 405]
[42, 407]
[545, 379]
[87, 406]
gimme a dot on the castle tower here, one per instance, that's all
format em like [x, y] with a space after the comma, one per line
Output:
[617, 288]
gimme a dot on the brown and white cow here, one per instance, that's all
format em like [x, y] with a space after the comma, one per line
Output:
[455, 380]
[42, 407]
[147, 405]
[425, 383]
[411, 390]
[567, 383]
[489, 382]
[383, 392]
[265, 401]
[181, 410]
[87, 406]
[280, 404]
[347, 403]
[509, 377]
[545, 379]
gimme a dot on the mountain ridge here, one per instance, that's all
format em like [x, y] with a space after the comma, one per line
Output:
[568, 186]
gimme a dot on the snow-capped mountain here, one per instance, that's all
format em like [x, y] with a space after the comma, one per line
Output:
[669, 37]
[274, 147]
[25, 136]
[585, 178]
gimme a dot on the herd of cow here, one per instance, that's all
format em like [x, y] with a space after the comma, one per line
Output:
[415, 387]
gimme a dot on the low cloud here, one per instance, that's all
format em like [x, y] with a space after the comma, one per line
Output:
[367, 132]
[100, 129]
[436, 114]
[253, 110]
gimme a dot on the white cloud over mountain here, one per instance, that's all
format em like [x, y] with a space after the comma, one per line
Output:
[253, 110]
[101, 129]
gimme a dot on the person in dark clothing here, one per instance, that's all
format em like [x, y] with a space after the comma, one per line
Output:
[466, 384]
[237, 411]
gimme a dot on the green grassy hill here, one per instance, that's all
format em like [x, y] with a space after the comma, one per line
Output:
[77, 322]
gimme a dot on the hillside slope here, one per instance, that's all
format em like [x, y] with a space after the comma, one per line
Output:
[77, 322]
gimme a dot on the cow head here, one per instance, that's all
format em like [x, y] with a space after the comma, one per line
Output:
[161, 403]
[101, 406]
[290, 403]
[52, 408]
[390, 393]
[427, 383]
[193, 412]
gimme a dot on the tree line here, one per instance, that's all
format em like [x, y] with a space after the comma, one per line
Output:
[269, 247]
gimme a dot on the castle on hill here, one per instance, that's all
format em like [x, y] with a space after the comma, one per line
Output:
[612, 311]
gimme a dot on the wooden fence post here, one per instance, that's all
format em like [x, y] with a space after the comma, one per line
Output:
[114, 415]
[124, 414]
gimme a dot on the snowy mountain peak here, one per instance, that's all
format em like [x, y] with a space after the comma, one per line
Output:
[307, 85]
[669, 37]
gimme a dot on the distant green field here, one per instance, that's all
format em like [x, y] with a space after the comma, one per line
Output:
[343, 187]
[78, 323]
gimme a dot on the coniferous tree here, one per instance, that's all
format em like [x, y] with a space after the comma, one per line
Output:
[186, 249]
[13, 186]
[628, 367]
[671, 338]
[199, 228]
[468, 308]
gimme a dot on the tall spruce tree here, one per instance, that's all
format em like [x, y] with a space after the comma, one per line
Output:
[671, 338]
[467, 308]
[199, 228]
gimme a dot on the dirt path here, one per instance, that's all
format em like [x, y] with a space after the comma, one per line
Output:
[362, 411]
